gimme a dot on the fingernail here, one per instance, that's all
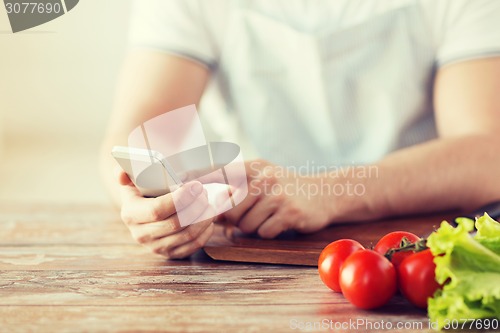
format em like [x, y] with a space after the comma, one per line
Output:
[196, 189]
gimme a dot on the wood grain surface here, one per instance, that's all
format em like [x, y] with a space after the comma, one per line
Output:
[76, 269]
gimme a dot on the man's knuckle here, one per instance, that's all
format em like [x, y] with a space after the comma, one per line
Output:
[171, 223]
[173, 254]
[196, 243]
[301, 224]
[142, 239]
[125, 216]
[157, 211]
[190, 234]
[156, 215]
[158, 250]
[277, 201]
[292, 212]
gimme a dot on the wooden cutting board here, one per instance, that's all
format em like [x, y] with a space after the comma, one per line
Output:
[297, 249]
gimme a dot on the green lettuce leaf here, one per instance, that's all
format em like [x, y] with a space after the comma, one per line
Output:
[488, 233]
[469, 269]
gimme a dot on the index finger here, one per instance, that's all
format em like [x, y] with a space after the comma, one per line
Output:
[137, 209]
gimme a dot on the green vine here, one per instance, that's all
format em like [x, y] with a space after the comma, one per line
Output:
[406, 246]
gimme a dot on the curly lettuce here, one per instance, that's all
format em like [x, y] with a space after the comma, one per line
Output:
[468, 267]
[488, 233]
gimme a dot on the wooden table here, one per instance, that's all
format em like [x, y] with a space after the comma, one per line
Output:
[75, 268]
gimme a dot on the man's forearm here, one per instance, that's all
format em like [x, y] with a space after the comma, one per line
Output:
[438, 175]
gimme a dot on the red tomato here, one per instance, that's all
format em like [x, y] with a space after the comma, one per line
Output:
[332, 257]
[393, 240]
[368, 279]
[417, 279]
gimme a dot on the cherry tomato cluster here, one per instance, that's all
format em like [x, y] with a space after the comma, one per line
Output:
[370, 278]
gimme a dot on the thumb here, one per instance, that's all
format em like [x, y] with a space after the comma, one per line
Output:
[186, 194]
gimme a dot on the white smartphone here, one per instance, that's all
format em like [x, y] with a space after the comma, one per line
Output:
[149, 170]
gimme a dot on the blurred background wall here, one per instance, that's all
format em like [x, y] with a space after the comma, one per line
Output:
[56, 90]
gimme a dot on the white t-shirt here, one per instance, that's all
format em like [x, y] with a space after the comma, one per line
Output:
[324, 82]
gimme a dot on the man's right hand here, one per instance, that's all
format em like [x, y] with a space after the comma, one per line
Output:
[166, 82]
[154, 223]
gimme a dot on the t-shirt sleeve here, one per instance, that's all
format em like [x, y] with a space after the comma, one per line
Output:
[173, 26]
[469, 29]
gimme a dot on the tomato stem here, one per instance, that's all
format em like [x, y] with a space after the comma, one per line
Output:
[406, 245]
